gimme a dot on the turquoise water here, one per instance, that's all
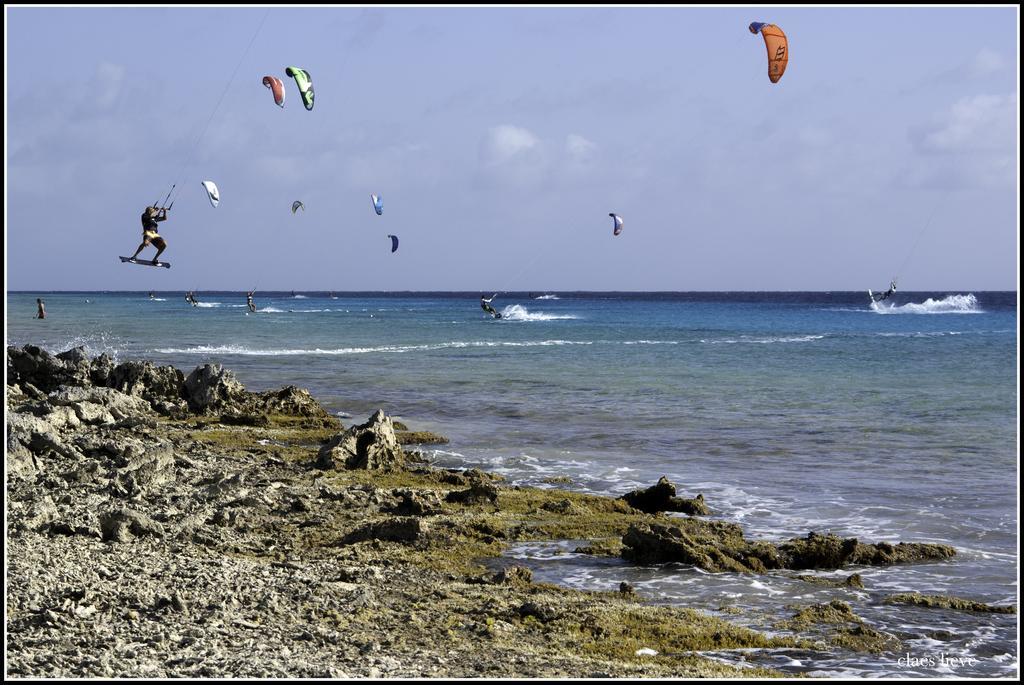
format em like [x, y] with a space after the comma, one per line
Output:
[791, 412]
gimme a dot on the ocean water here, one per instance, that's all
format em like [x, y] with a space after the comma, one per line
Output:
[790, 412]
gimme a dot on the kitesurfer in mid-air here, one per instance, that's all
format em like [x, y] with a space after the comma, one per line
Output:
[485, 304]
[249, 302]
[887, 293]
[150, 217]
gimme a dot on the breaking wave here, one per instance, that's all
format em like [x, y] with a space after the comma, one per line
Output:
[517, 312]
[246, 351]
[953, 304]
[764, 341]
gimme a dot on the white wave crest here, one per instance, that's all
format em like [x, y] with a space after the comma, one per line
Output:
[764, 341]
[207, 304]
[246, 351]
[517, 312]
[953, 304]
[547, 297]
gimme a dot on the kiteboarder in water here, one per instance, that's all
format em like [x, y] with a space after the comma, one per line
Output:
[887, 293]
[150, 217]
[485, 304]
[248, 300]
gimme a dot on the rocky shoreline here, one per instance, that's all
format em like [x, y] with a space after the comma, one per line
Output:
[164, 525]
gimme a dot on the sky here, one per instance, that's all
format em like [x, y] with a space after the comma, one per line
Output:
[500, 139]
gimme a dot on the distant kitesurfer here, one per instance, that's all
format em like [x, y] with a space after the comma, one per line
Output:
[190, 297]
[150, 217]
[41, 311]
[152, 295]
[887, 293]
[485, 304]
[249, 302]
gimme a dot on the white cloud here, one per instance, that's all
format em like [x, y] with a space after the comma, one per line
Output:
[506, 143]
[985, 62]
[578, 147]
[981, 122]
[109, 78]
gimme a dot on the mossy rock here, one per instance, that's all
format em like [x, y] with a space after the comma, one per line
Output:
[947, 602]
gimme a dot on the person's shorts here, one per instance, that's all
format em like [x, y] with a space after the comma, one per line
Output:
[150, 236]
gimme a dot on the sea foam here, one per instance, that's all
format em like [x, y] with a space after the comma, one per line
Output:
[517, 312]
[952, 304]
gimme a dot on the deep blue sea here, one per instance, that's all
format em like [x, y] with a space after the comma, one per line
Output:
[790, 412]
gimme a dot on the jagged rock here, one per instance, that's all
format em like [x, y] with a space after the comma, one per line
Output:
[352, 574]
[513, 575]
[415, 502]
[852, 581]
[175, 410]
[396, 529]
[292, 401]
[565, 507]
[37, 367]
[652, 499]
[36, 434]
[451, 477]
[542, 612]
[850, 630]
[831, 551]
[662, 497]
[74, 356]
[479, 492]
[212, 388]
[100, 370]
[835, 612]
[63, 418]
[947, 602]
[22, 425]
[142, 466]
[601, 548]
[420, 438]
[32, 392]
[478, 475]
[77, 366]
[147, 380]
[38, 515]
[123, 524]
[718, 546]
[99, 405]
[691, 507]
[19, 460]
[371, 446]
[256, 420]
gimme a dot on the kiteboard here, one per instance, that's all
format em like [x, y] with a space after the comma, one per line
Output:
[145, 262]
